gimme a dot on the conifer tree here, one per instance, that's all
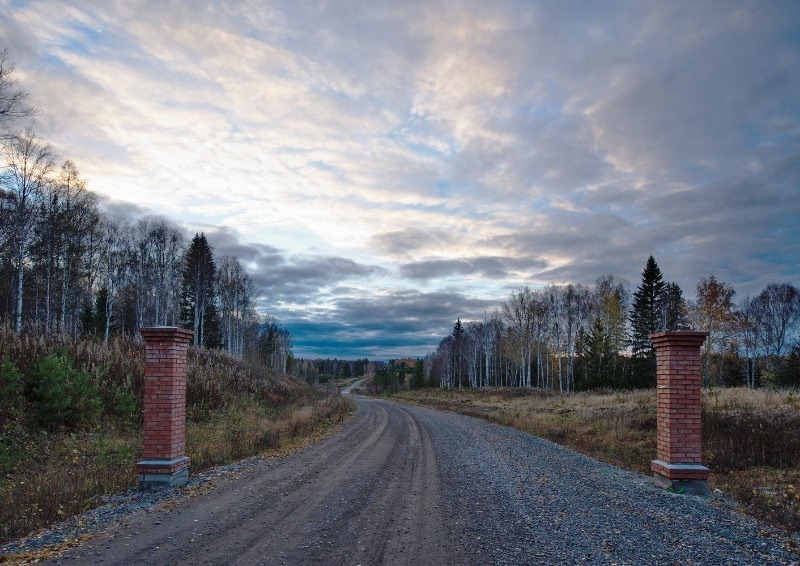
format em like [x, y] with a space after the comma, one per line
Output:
[674, 308]
[198, 310]
[597, 357]
[646, 318]
[458, 336]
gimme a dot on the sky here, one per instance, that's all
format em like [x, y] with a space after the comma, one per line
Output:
[383, 168]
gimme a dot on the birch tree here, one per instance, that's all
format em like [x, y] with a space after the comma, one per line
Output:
[29, 162]
[778, 317]
[715, 314]
[518, 313]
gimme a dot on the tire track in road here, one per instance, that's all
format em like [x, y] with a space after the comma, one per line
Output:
[368, 495]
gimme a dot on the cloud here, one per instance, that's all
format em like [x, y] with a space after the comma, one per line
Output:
[488, 267]
[390, 325]
[300, 278]
[358, 148]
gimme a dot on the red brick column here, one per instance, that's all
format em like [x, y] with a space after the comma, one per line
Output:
[679, 452]
[164, 463]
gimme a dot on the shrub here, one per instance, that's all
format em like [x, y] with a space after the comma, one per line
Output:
[11, 389]
[62, 395]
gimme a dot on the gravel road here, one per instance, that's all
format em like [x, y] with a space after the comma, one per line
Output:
[409, 485]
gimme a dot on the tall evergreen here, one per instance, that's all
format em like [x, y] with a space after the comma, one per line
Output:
[674, 308]
[597, 357]
[459, 337]
[198, 309]
[646, 318]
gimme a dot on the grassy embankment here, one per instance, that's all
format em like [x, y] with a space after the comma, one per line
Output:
[59, 458]
[751, 438]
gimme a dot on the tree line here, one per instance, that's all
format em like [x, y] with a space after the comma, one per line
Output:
[573, 337]
[318, 370]
[66, 267]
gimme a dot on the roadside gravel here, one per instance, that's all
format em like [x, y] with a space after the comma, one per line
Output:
[528, 501]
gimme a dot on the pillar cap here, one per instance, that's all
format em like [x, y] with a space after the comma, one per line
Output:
[678, 338]
[172, 333]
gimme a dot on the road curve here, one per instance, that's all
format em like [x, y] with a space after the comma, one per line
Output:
[408, 485]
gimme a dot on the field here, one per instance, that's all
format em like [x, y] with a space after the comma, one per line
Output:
[751, 438]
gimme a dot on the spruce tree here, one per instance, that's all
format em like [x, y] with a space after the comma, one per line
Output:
[646, 318]
[198, 309]
[597, 357]
[458, 352]
[675, 310]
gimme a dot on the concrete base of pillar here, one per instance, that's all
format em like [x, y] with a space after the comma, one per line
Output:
[683, 478]
[687, 486]
[154, 482]
[162, 474]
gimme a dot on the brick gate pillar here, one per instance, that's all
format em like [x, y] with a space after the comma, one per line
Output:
[164, 462]
[678, 463]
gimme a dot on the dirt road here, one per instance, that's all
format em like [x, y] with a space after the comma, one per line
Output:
[369, 495]
[407, 485]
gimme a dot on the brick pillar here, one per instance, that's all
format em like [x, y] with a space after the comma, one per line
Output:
[164, 463]
[678, 463]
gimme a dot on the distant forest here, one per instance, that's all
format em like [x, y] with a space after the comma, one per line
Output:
[572, 337]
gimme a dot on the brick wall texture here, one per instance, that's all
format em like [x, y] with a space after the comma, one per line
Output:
[679, 403]
[166, 350]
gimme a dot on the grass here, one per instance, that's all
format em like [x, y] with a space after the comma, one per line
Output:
[233, 412]
[751, 438]
[253, 429]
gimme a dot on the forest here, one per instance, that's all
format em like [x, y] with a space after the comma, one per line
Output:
[573, 337]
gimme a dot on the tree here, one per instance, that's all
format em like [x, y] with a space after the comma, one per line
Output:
[749, 335]
[198, 311]
[778, 317]
[611, 299]
[715, 314]
[12, 100]
[77, 236]
[772, 320]
[675, 311]
[275, 347]
[30, 162]
[236, 293]
[521, 313]
[419, 375]
[597, 357]
[458, 352]
[114, 268]
[646, 318]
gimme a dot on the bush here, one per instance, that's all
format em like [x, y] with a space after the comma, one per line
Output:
[62, 395]
[11, 389]
[120, 403]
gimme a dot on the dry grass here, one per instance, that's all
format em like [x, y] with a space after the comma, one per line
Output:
[252, 429]
[751, 438]
[65, 475]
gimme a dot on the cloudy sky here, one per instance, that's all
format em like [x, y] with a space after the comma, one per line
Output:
[384, 167]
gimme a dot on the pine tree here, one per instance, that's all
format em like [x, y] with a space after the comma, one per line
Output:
[646, 318]
[674, 308]
[419, 375]
[597, 357]
[198, 309]
[458, 352]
